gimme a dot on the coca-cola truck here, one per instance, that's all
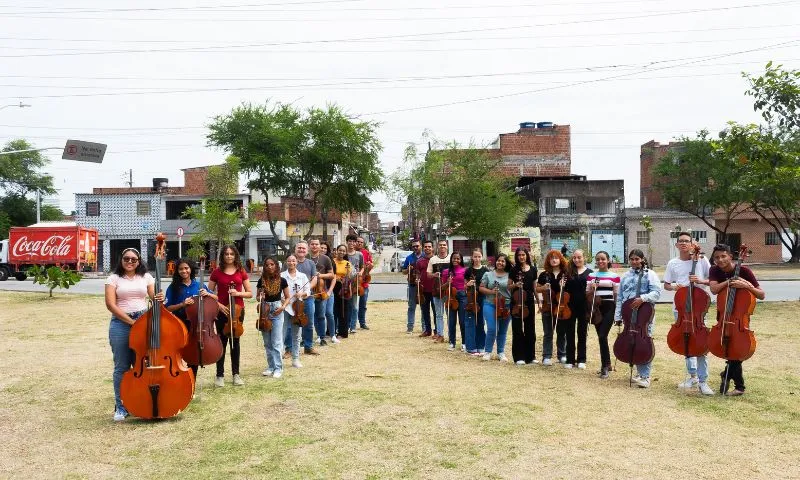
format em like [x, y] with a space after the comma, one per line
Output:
[67, 246]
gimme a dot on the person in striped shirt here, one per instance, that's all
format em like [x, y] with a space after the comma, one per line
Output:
[603, 284]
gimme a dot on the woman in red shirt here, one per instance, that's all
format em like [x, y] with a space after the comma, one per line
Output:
[232, 275]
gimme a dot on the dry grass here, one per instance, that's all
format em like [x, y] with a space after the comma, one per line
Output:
[387, 405]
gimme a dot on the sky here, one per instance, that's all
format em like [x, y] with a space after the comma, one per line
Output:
[146, 77]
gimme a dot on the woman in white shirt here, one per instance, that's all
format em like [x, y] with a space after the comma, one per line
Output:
[300, 289]
[127, 291]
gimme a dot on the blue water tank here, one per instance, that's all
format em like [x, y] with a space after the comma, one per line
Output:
[545, 125]
[527, 125]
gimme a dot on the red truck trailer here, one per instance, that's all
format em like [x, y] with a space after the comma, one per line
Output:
[71, 247]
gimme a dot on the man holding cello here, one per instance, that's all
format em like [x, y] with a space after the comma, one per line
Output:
[681, 271]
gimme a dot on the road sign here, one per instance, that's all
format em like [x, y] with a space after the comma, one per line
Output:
[84, 151]
[179, 232]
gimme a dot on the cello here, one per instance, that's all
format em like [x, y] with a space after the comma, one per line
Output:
[634, 346]
[731, 338]
[234, 323]
[688, 336]
[204, 346]
[159, 384]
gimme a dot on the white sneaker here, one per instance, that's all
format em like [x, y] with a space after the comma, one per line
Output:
[581, 366]
[296, 363]
[642, 382]
[567, 365]
[277, 374]
[690, 382]
[502, 357]
[563, 359]
[237, 380]
[119, 416]
[219, 382]
[520, 362]
[451, 347]
[335, 340]
[268, 372]
[487, 357]
[547, 362]
[463, 348]
[534, 361]
[705, 389]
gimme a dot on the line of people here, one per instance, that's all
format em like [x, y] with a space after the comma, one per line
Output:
[567, 294]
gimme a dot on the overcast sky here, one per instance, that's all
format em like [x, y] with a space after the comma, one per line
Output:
[146, 76]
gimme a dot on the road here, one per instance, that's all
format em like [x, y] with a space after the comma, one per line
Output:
[780, 290]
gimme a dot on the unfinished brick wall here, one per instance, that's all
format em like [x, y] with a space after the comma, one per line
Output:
[537, 152]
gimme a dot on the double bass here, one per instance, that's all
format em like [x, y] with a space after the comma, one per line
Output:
[634, 346]
[235, 322]
[731, 338]
[204, 346]
[688, 336]
[159, 384]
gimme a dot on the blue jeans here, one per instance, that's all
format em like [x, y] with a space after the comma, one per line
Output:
[644, 369]
[696, 366]
[273, 342]
[412, 307]
[118, 335]
[330, 317]
[438, 315]
[292, 333]
[461, 296]
[495, 328]
[319, 316]
[352, 308]
[362, 308]
[308, 330]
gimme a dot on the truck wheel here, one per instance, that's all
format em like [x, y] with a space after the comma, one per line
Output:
[20, 276]
[3, 274]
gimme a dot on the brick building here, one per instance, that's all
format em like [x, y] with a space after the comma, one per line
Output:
[535, 150]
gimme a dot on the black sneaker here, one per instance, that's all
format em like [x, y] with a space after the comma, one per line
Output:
[323, 343]
[364, 327]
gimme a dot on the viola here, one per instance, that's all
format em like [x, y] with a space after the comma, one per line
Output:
[360, 283]
[204, 346]
[595, 316]
[500, 306]
[367, 269]
[518, 307]
[159, 384]
[559, 310]
[264, 322]
[235, 322]
[688, 336]
[731, 338]
[634, 346]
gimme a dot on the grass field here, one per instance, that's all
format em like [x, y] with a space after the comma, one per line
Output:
[384, 404]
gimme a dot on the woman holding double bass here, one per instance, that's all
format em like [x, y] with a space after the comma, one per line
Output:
[737, 290]
[230, 282]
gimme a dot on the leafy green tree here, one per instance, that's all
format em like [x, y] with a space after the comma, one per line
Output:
[53, 277]
[776, 95]
[322, 157]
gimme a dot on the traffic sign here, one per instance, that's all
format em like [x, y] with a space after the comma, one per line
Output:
[179, 232]
[84, 151]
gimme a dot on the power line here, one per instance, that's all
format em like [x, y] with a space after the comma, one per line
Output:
[407, 35]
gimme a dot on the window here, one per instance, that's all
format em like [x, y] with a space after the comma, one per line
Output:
[92, 209]
[175, 209]
[588, 206]
[700, 236]
[142, 208]
[642, 237]
[771, 238]
[559, 206]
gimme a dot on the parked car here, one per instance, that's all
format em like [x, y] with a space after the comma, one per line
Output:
[396, 262]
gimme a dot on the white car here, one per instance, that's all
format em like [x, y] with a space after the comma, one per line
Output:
[396, 262]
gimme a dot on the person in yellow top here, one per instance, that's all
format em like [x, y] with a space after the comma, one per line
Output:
[342, 296]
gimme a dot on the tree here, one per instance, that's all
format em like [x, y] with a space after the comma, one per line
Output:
[776, 96]
[700, 179]
[462, 190]
[54, 277]
[321, 157]
[19, 180]
[218, 219]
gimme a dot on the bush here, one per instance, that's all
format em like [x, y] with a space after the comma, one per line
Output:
[54, 277]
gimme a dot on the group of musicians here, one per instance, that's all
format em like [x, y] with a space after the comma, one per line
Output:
[568, 296]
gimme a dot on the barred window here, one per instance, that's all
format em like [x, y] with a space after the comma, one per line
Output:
[700, 236]
[92, 209]
[642, 237]
[142, 208]
[771, 238]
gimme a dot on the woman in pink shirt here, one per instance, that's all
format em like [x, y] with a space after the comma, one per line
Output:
[127, 291]
[455, 274]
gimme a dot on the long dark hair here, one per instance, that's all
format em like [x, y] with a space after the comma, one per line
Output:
[638, 253]
[237, 260]
[141, 267]
[177, 281]
[328, 251]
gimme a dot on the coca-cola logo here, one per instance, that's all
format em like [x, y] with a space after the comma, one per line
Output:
[53, 246]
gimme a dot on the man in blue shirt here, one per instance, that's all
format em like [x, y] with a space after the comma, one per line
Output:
[410, 264]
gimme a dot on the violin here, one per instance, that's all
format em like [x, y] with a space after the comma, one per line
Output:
[634, 346]
[501, 309]
[320, 290]
[159, 384]
[234, 323]
[731, 338]
[368, 268]
[688, 336]
[595, 316]
[264, 322]
[299, 307]
[347, 284]
[204, 346]
[472, 299]
[518, 307]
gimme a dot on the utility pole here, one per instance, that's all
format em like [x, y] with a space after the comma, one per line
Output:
[130, 178]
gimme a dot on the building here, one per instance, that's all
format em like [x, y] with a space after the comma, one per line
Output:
[659, 243]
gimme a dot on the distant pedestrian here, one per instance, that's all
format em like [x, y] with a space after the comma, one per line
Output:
[564, 249]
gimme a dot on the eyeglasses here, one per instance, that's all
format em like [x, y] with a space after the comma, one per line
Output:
[684, 241]
[130, 259]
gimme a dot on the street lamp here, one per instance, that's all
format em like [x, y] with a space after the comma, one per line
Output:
[20, 105]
